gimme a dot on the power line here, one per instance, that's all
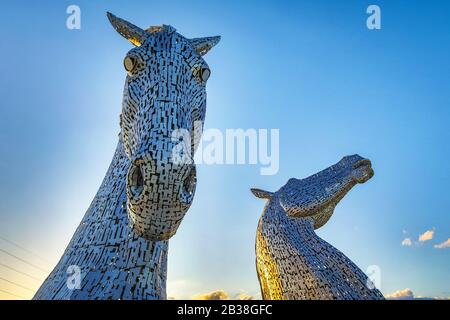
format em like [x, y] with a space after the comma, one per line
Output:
[24, 261]
[21, 272]
[19, 285]
[13, 294]
[24, 249]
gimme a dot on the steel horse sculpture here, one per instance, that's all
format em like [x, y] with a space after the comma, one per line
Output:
[292, 262]
[120, 247]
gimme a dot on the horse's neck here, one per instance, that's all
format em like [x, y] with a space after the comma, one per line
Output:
[299, 233]
[114, 262]
[314, 259]
[289, 228]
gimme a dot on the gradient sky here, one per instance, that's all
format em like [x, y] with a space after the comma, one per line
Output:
[309, 68]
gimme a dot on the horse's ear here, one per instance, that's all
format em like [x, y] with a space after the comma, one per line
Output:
[203, 45]
[262, 194]
[127, 30]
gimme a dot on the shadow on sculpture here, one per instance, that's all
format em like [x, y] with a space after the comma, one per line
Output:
[120, 246]
[292, 262]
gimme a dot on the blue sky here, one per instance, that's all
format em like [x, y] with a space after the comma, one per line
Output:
[308, 68]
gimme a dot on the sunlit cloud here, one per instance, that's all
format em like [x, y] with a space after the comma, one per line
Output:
[244, 296]
[405, 294]
[214, 295]
[222, 295]
[408, 294]
[443, 245]
[426, 236]
[185, 289]
[407, 242]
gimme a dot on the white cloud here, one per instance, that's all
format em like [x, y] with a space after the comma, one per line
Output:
[427, 235]
[405, 294]
[443, 245]
[407, 242]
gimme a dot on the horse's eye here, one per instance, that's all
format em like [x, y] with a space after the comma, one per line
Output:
[204, 74]
[129, 63]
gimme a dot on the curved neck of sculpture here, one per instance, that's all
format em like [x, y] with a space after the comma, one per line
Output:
[114, 263]
[303, 227]
[295, 263]
[297, 231]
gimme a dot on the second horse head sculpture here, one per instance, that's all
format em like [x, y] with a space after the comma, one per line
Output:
[292, 262]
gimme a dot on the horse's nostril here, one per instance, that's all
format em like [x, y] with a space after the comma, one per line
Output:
[189, 182]
[135, 181]
[188, 187]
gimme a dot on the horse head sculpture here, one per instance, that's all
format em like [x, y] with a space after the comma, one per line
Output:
[120, 248]
[292, 262]
[165, 92]
[318, 195]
